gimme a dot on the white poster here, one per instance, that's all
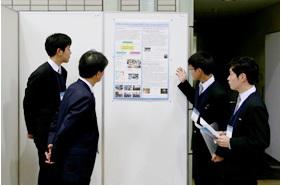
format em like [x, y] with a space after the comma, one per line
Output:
[141, 63]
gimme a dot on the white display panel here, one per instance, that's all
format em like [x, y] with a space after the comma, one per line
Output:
[9, 97]
[272, 91]
[85, 29]
[146, 140]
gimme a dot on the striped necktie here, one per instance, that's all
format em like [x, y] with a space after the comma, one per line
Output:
[237, 104]
[200, 88]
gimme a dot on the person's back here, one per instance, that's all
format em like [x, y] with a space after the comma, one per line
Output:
[78, 93]
[73, 140]
[42, 99]
[43, 93]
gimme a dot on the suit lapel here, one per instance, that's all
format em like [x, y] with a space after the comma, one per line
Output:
[196, 98]
[239, 113]
[203, 98]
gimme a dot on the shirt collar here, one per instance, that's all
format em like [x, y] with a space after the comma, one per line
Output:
[207, 83]
[88, 83]
[54, 66]
[246, 94]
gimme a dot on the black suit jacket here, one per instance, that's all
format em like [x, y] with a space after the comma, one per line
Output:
[75, 135]
[250, 137]
[41, 101]
[213, 107]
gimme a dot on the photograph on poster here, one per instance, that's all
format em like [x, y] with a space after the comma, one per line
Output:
[134, 63]
[133, 76]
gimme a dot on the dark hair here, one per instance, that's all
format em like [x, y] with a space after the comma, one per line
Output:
[246, 65]
[55, 41]
[202, 60]
[91, 63]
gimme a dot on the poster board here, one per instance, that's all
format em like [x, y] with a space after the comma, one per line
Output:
[145, 140]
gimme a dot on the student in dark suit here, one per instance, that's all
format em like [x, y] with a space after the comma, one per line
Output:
[212, 103]
[247, 133]
[43, 93]
[73, 141]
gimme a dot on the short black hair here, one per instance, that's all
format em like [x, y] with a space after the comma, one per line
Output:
[91, 63]
[202, 60]
[55, 41]
[246, 65]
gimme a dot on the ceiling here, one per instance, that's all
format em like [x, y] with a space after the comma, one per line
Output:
[222, 8]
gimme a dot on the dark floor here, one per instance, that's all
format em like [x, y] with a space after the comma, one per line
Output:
[271, 172]
[271, 169]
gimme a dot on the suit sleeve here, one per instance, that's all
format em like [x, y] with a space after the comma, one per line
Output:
[53, 130]
[54, 126]
[256, 132]
[187, 90]
[30, 102]
[222, 113]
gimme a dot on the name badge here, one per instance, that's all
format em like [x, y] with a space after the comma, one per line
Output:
[61, 95]
[229, 131]
[195, 115]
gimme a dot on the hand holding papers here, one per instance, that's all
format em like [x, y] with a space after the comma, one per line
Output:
[208, 131]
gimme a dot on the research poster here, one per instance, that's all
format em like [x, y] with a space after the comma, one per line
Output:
[141, 60]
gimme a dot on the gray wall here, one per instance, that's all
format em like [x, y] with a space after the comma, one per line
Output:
[253, 43]
[272, 91]
[9, 97]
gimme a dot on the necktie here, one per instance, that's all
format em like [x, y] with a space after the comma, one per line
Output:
[237, 104]
[200, 88]
[59, 70]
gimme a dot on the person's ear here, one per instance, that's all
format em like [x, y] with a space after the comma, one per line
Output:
[59, 51]
[99, 74]
[199, 70]
[243, 76]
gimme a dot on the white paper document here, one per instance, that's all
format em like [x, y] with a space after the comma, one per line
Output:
[208, 131]
[209, 127]
[194, 117]
[209, 140]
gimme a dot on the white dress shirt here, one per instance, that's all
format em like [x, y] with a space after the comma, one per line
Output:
[244, 95]
[207, 83]
[88, 83]
[55, 66]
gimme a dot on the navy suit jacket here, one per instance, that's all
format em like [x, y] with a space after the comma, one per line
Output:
[213, 106]
[75, 135]
[250, 137]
